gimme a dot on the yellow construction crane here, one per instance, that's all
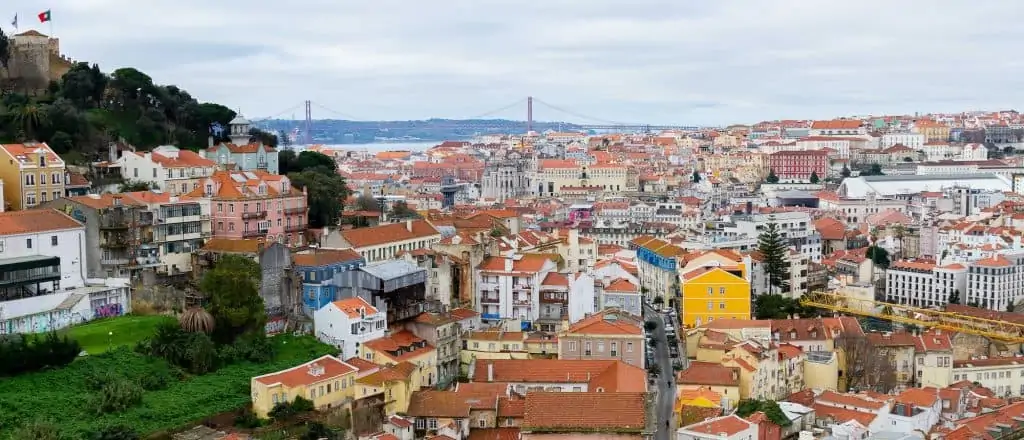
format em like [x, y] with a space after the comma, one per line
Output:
[924, 318]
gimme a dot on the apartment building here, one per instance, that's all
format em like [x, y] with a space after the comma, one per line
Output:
[255, 204]
[168, 168]
[922, 283]
[912, 140]
[659, 265]
[995, 282]
[509, 287]
[799, 165]
[327, 381]
[181, 225]
[553, 175]
[609, 334]
[444, 333]
[32, 174]
[564, 375]
[316, 269]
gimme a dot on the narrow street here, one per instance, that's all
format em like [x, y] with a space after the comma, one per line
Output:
[666, 380]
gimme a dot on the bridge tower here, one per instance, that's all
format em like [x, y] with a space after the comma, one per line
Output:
[309, 123]
[529, 114]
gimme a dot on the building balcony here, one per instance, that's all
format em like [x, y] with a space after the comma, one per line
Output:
[250, 233]
[295, 228]
[490, 300]
[522, 302]
[291, 211]
[252, 215]
[111, 223]
[19, 271]
[521, 287]
[548, 297]
[114, 261]
[182, 219]
[115, 241]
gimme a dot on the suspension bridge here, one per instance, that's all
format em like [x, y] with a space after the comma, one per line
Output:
[527, 104]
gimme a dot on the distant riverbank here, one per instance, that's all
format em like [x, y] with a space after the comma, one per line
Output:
[378, 147]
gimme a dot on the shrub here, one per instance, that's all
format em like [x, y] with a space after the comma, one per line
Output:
[34, 353]
[117, 396]
[194, 352]
[248, 420]
[287, 410]
[38, 430]
[114, 433]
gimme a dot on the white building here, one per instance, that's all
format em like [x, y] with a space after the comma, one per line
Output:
[168, 168]
[348, 323]
[623, 295]
[509, 287]
[924, 284]
[994, 283]
[796, 227]
[384, 242]
[890, 186]
[912, 140]
[43, 266]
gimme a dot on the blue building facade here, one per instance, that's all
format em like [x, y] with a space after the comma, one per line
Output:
[317, 272]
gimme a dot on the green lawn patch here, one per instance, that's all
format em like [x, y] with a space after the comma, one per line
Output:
[102, 335]
[62, 396]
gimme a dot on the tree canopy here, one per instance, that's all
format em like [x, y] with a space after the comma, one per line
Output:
[87, 108]
[773, 248]
[235, 302]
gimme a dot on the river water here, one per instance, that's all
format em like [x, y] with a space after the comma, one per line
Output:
[378, 147]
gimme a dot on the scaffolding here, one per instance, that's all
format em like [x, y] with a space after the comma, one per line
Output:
[925, 318]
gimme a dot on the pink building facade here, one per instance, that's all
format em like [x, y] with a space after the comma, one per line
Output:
[255, 205]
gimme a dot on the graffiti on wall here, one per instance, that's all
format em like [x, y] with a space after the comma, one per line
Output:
[74, 212]
[276, 325]
[108, 310]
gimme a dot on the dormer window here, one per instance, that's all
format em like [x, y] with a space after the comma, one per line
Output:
[792, 334]
[209, 189]
[42, 161]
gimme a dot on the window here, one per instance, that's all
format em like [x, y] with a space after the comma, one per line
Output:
[431, 423]
[721, 290]
[711, 291]
[274, 398]
[135, 173]
[56, 195]
[711, 305]
[42, 197]
[2, 251]
[55, 178]
[312, 393]
[629, 347]
[53, 240]
[28, 243]
[483, 423]
[615, 349]
[30, 179]
[586, 348]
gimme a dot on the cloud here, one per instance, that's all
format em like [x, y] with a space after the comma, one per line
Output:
[643, 61]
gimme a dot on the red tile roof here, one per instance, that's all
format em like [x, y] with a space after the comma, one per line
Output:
[729, 425]
[35, 220]
[331, 366]
[610, 375]
[378, 235]
[607, 322]
[585, 412]
[707, 373]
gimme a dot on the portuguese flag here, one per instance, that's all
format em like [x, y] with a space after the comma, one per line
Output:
[44, 16]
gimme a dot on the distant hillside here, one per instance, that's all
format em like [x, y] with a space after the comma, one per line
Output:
[333, 131]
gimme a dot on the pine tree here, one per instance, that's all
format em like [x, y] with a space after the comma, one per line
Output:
[695, 178]
[772, 178]
[774, 250]
[954, 298]
[814, 177]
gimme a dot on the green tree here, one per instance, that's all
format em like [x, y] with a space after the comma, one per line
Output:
[774, 306]
[814, 177]
[235, 302]
[770, 409]
[400, 209]
[135, 185]
[954, 298]
[695, 177]
[325, 195]
[367, 203]
[846, 171]
[775, 254]
[772, 178]
[879, 256]
[265, 138]
[1010, 306]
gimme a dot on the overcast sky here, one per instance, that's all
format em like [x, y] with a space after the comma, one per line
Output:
[644, 61]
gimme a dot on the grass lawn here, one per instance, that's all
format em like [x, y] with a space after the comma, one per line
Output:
[96, 337]
[62, 396]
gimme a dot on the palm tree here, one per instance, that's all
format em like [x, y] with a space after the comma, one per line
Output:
[196, 320]
[29, 117]
[899, 231]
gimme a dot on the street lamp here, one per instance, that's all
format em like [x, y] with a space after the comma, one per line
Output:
[110, 337]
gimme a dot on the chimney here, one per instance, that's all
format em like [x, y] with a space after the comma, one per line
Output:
[408, 225]
[490, 371]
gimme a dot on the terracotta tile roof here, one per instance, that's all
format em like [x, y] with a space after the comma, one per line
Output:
[355, 307]
[34, 221]
[804, 397]
[918, 397]
[529, 263]
[378, 235]
[707, 373]
[400, 422]
[76, 180]
[555, 279]
[514, 407]
[326, 257]
[434, 319]
[305, 374]
[607, 322]
[621, 285]
[362, 365]
[608, 412]
[729, 425]
[104, 201]
[404, 341]
[463, 313]
[391, 373]
[841, 415]
[837, 124]
[233, 245]
[453, 404]
[830, 228]
[848, 400]
[611, 375]
[28, 151]
[894, 339]
[185, 159]
[494, 434]
[495, 335]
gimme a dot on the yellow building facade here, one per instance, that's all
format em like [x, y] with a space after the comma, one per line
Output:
[401, 347]
[394, 384]
[493, 344]
[32, 174]
[709, 294]
[327, 381]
